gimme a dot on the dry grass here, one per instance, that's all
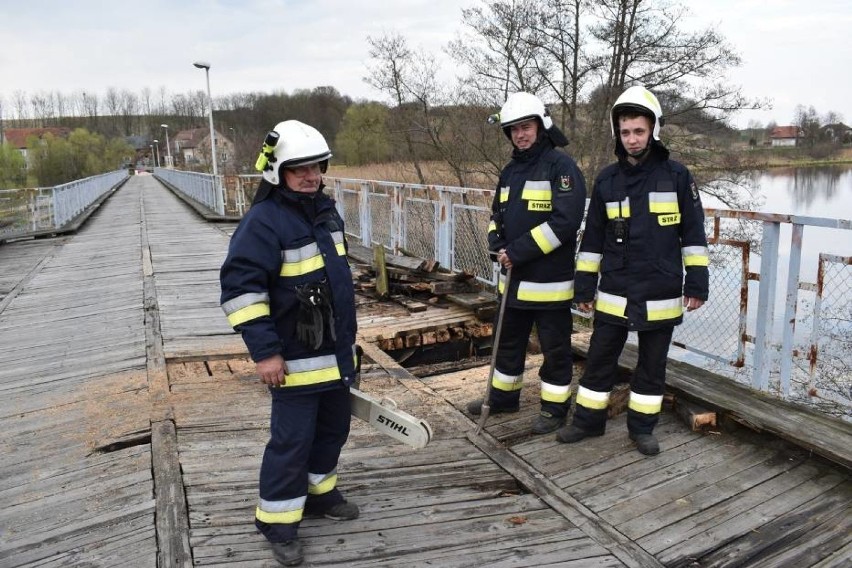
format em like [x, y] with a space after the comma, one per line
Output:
[435, 173]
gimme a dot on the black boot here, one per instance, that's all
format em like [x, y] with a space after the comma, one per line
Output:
[646, 444]
[546, 422]
[571, 434]
[288, 553]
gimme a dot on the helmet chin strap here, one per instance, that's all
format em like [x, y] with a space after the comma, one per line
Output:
[640, 155]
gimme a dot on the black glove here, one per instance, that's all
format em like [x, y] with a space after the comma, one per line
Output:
[316, 317]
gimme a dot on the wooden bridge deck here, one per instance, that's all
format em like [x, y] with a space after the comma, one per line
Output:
[132, 432]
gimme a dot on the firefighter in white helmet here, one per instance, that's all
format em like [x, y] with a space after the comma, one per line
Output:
[644, 229]
[537, 210]
[287, 288]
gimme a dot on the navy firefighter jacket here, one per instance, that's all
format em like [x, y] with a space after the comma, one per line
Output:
[642, 270]
[283, 243]
[537, 210]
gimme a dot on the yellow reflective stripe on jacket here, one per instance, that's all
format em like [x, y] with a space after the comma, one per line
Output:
[645, 403]
[612, 211]
[280, 512]
[589, 262]
[663, 202]
[492, 226]
[664, 309]
[301, 261]
[504, 194]
[311, 371]
[504, 382]
[546, 291]
[545, 238]
[339, 245]
[555, 393]
[536, 191]
[611, 304]
[248, 313]
[246, 307]
[321, 483]
[695, 256]
[592, 399]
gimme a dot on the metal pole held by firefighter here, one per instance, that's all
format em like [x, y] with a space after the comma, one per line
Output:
[495, 345]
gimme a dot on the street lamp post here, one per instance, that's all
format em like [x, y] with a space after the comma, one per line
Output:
[151, 146]
[157, 152]
[220, 206]
[168, 148]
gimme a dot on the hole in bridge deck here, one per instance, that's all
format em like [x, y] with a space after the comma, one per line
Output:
[130, 442]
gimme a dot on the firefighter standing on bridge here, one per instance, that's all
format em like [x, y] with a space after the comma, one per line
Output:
[537, 210]
[287, 288]
[645, 224]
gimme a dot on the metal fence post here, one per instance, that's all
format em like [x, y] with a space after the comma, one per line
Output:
[766, 304]
[396, 218]
[793, 269]
[444, 231]
[365, 215]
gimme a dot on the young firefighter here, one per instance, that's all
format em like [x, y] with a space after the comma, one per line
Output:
[537, 210]
[645, 224]
[287, 288]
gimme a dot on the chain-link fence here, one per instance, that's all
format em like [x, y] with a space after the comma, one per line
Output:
[829, 378]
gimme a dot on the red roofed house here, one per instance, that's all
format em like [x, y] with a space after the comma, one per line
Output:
[17, 137]
[785, 136]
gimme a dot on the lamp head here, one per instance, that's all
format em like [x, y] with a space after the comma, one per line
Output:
[202, 64]
[164, 126]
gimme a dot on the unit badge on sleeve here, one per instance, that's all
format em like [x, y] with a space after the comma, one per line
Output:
[565, 183]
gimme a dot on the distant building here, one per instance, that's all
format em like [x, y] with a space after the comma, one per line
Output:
[785, 136]
[193, 148]
[18, 137]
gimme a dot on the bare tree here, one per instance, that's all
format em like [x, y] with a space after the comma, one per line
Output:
[808, 122]
[646, 44]
[560, 47]
[129, 110]
[499, 49]
[19, 101]
[113, 107]
[43, 109]
[147, 104]
[390, 74]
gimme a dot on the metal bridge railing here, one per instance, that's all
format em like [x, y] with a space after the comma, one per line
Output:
[206, 189]
[30, 211]
[765, 325]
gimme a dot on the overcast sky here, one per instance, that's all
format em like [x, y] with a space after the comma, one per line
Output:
[793, 51]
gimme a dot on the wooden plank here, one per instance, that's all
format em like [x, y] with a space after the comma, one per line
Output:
[381, 271]
[801, 537]
[172, 518]
[696, 417]
[410, 304]
[747, 520]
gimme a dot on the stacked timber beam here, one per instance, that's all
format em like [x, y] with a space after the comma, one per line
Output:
[446, 305]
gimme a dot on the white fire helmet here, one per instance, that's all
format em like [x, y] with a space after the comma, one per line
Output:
[297, 144]
[523, 106]
[641, 101]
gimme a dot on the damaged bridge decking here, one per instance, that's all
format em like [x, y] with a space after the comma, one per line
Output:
[132, 432]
